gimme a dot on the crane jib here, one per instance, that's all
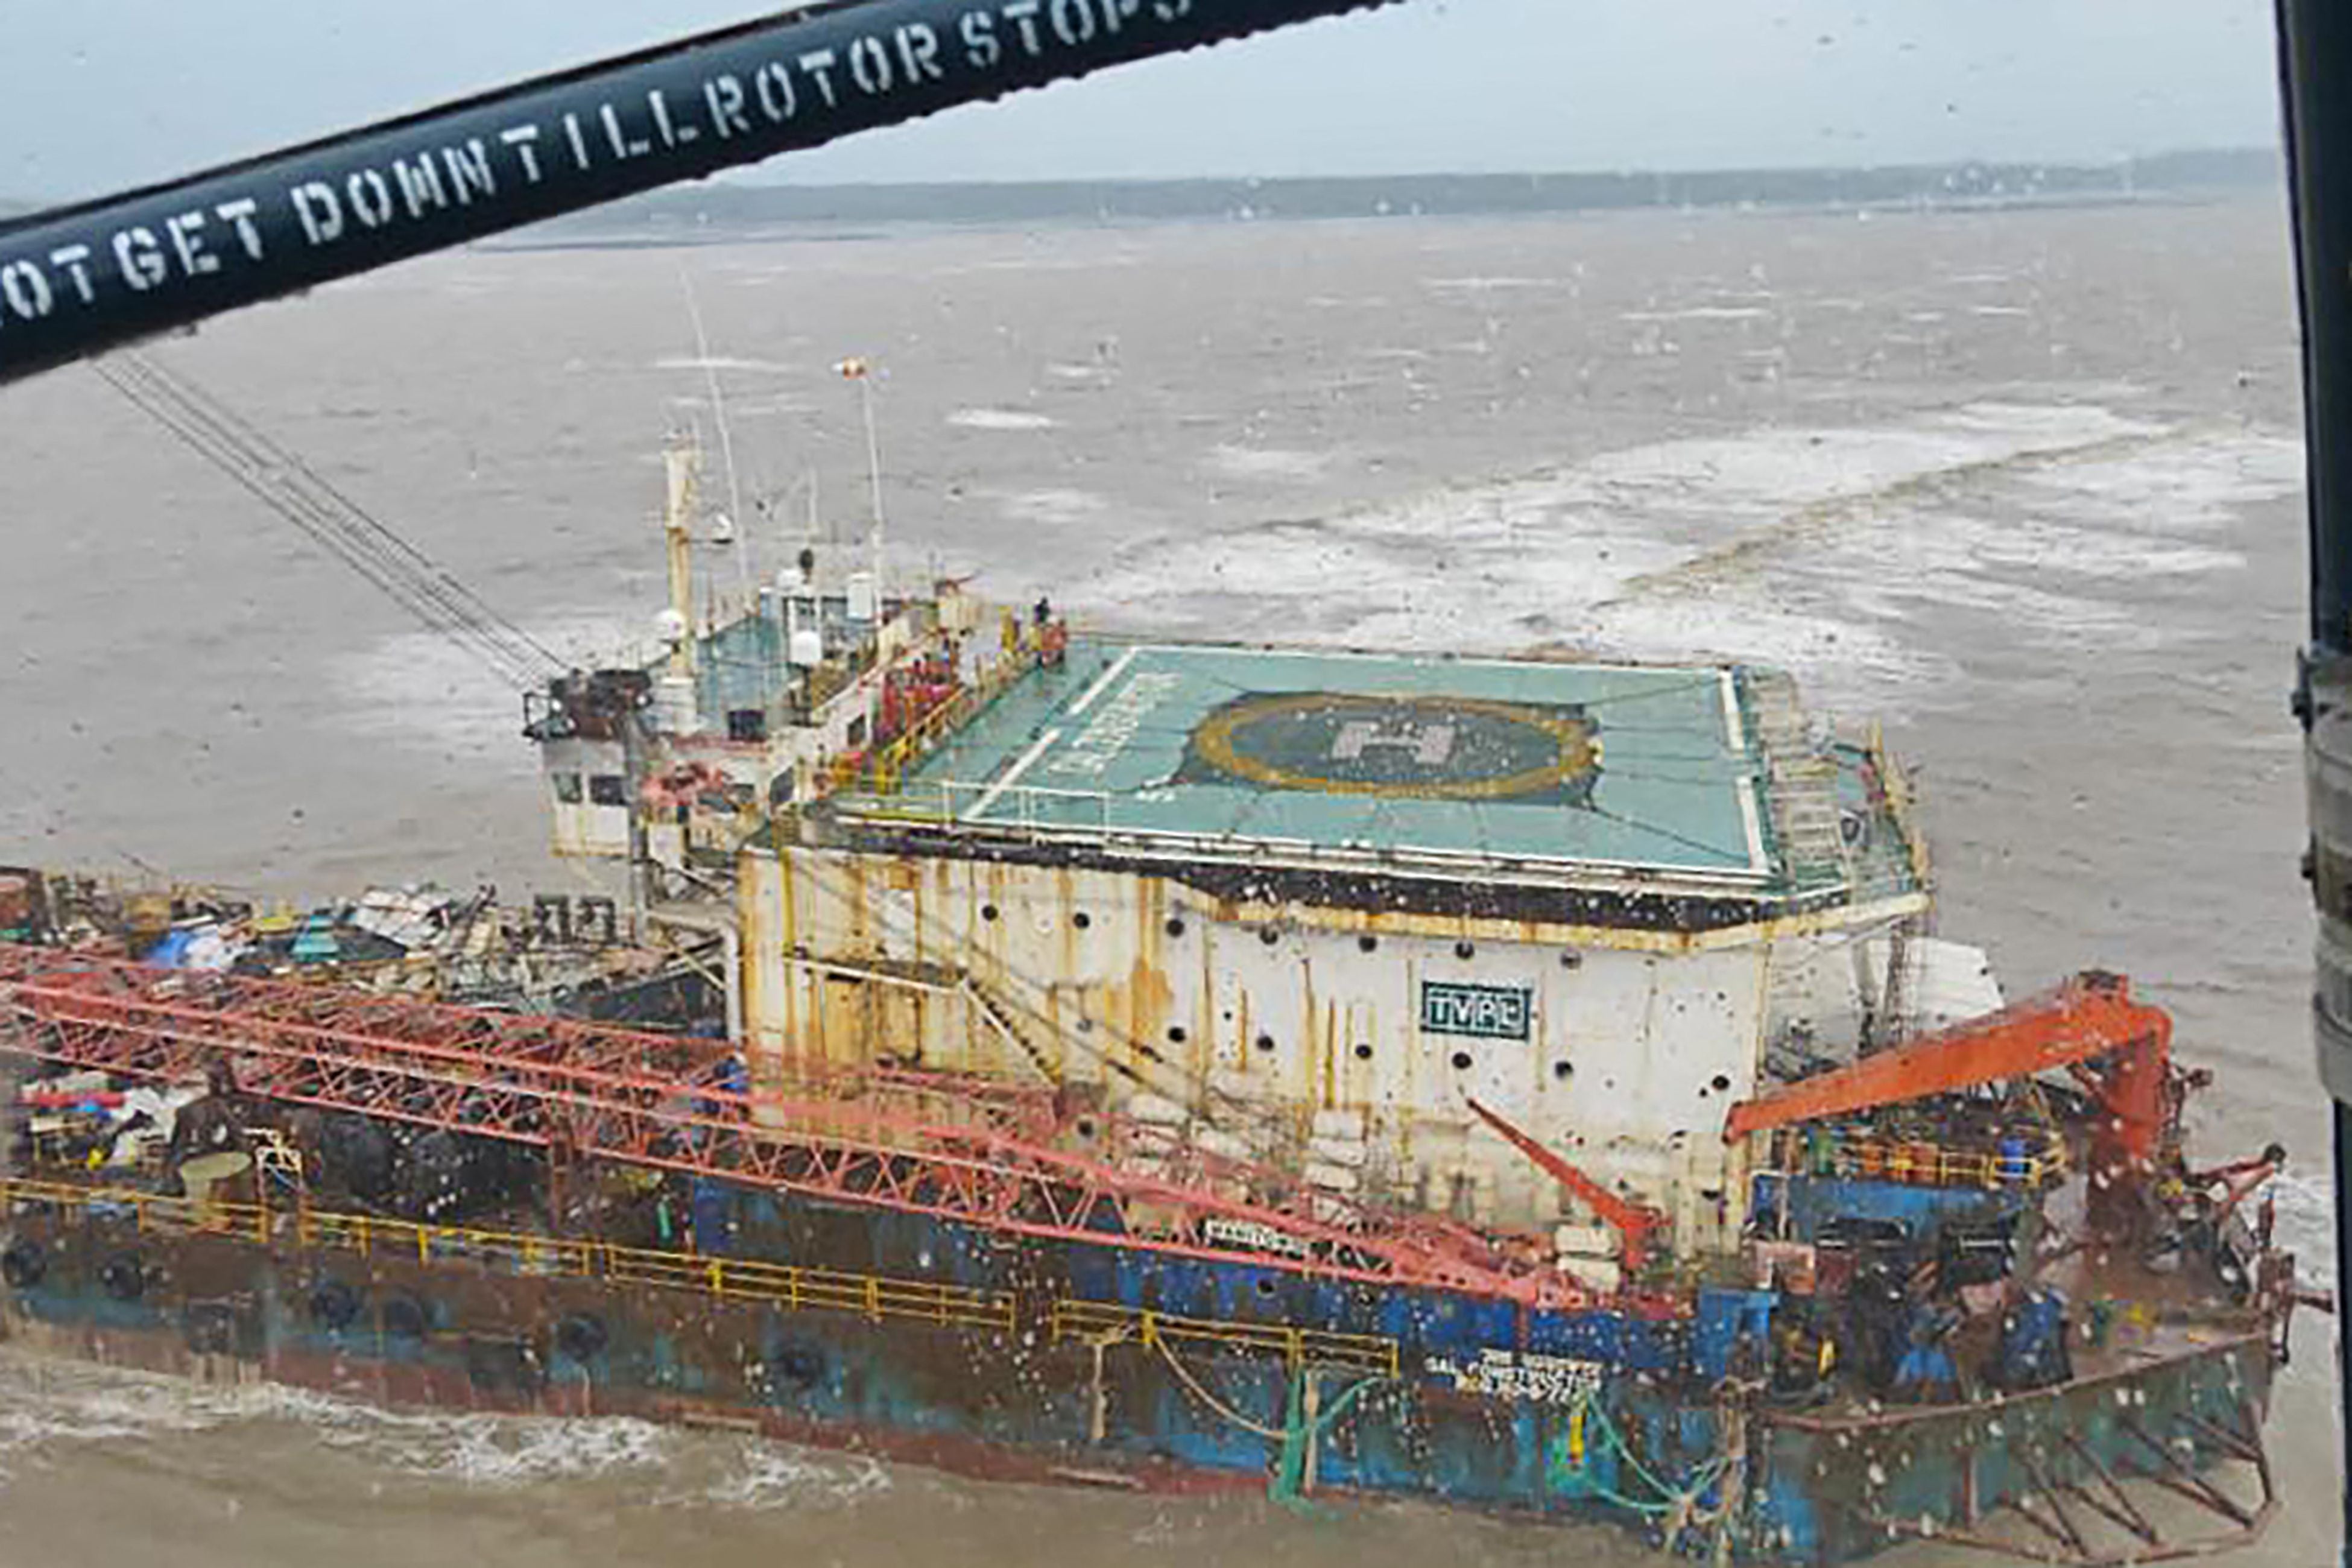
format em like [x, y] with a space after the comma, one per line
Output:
[78, 281]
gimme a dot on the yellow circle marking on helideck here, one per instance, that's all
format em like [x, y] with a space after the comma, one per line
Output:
[1578, 754]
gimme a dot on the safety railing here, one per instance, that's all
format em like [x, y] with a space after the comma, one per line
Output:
[1894, 785]
[1298, 1347]
[1818, 1151]
[872, 1295]
[884, 771]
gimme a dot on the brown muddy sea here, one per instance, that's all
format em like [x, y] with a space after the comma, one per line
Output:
[2022, 484]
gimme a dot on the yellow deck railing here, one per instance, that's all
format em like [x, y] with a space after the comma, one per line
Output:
[1298, 1347]
[884, 771]
[797, 1289]
[1916, 1162]
[872, 1295]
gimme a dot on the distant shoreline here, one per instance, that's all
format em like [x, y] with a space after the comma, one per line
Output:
[716, 212]
[707, 213]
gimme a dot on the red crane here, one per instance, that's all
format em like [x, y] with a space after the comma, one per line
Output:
[1630, 1220]
[953, 1147]
[2118, 1049]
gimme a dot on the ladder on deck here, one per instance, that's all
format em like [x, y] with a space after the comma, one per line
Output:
[1800, 786]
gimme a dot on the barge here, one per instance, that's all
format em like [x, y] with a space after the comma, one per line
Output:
[1530, 1086]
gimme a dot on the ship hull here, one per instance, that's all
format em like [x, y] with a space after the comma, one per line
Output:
[991, 1362]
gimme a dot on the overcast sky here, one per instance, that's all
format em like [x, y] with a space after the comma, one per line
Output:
[96, 94]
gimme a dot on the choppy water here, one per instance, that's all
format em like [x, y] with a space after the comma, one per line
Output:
[2024, 485]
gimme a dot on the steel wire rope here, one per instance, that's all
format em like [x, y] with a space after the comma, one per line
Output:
[331, 519]
[224, 448]
[425, 571]
[220, 449]
[401, 556]
[1201, 1390]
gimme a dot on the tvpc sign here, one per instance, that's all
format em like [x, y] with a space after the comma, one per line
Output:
[1484, 1012]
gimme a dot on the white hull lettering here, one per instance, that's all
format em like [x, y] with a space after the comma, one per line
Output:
[919, 53]
[238, 215]
[778, 101]
[524, 139]
[421, 190]
[75, 260]
[869, 66]
[470, 172]
[1022, 14]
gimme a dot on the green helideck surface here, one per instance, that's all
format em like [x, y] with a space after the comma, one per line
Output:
[1566, 763]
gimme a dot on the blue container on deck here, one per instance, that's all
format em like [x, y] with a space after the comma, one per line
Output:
[714, 1215]
[1724, 1317]
[2033, 1342]
[2014, 1166]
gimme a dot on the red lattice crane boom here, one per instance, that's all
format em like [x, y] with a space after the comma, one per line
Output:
[955, 1148]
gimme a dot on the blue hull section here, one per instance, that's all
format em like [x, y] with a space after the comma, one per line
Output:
[913, 1338]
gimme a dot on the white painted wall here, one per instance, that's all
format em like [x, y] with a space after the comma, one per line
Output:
[584, 827]
[1096, 967]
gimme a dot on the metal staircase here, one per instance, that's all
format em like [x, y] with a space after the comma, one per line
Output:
[1800, 786]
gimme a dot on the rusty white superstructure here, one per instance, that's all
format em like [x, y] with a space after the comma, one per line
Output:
[1315, 906]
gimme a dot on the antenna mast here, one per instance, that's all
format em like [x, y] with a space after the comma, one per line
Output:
[726, 435]
[683, 460]
[861, 372]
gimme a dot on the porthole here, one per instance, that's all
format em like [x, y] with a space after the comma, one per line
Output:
[404, 1317]
[1266, 1042]
[581, 1337]
[988, 912]
[1465, 950]
[1462, 1061]
[1363, 1052]
[335, 1304]
[1722, 1084]
[23, 1264]
[1367, 943]
[1176, 1034]
[1563, 1071]
[1572, 960]
[1268, 935]
[1082, 919]
[124, 1276]
[1175, 927]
